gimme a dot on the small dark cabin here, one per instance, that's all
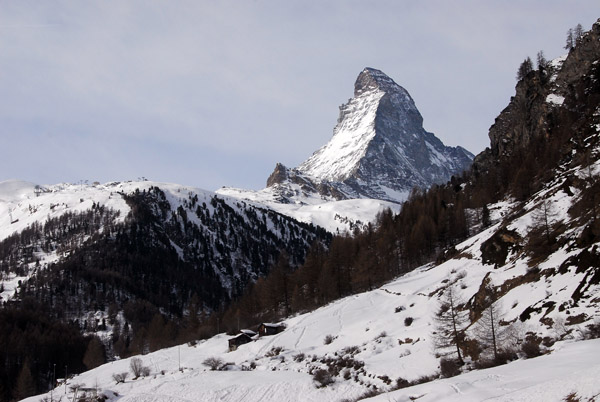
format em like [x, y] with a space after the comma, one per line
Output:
[266, 329]
[246, 336]
[241, 339]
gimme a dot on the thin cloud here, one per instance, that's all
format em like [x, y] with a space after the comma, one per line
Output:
[199, 92]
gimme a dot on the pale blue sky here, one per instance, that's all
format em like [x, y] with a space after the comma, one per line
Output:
[212, 93]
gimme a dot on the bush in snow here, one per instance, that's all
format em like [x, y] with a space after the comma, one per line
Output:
[323, 378]
[351, 350]
[275, 351]
[531, 348]
[328, 339]
[449, 367]
[120, 377]
[214, 363]
[408, 321]
[402, 383]
[138, 369]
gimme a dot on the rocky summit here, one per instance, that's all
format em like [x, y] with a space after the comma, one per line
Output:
[379, 149]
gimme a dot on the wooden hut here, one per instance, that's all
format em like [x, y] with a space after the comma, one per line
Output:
[266, 329]
[246, 336]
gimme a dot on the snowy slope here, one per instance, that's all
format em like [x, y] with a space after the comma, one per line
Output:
[572, 368]
[337, 216]
[368, 328]
[25, 205]
[373, 343]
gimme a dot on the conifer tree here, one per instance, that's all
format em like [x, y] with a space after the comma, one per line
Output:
[570, 40]
[578, 33]
[525, 68]
[450, 322]
[489, 329]
[25, 384]
[94, 354]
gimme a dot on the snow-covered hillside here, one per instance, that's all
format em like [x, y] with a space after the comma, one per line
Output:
[572, 368]
[201, 227]
[337, 216]
[370, 340]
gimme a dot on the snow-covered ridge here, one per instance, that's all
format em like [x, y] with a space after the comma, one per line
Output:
[333, 215]
[215, 219]
[23, 203]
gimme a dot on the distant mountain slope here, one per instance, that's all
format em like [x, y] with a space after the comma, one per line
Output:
[230, 240]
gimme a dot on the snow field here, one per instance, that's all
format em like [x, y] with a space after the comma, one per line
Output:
[571, 367]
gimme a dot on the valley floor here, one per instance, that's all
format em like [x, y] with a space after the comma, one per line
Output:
[572, 367]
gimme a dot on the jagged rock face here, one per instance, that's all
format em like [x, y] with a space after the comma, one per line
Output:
[531, 114]
[379, 148]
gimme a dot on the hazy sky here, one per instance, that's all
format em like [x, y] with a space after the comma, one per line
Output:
[212, 93]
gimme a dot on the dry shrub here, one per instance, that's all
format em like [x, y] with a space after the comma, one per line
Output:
[449, 367]
[323, 378]
[531, 348]
[328, 339]
[214, 363]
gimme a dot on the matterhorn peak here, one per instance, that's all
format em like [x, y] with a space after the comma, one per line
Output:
[379, 150]
[379, 147]
[372, 79]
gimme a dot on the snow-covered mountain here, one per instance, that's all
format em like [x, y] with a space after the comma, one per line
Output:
[379, 150]
[379, 147]
[383, 341]
[378, 153]
[513, 252]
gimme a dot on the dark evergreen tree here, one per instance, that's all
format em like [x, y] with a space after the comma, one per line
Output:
[95, 354]
[578, 33]
[525, 68]
[570, 40]
[25, 385]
